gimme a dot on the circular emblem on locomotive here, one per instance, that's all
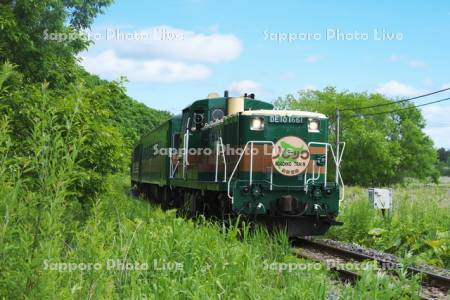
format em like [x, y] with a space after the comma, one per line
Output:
[290, 156]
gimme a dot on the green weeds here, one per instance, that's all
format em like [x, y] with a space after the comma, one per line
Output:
[418, 224]
[68, 230]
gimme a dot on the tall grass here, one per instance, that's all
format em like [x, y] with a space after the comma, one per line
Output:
[53, 246]
[418, 224]
[36, 208]
[215, 263]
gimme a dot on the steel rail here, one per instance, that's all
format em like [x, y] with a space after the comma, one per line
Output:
[429, 278]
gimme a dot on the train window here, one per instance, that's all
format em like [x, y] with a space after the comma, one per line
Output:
[198, 120]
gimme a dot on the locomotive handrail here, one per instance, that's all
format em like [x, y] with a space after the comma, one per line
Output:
[186, 148]
[170, 162]
[337, 161]
[184, 154]
[251, 164]
[173, 169]
[339, 170]
[222, 151]
[313, 178]
[172, 150]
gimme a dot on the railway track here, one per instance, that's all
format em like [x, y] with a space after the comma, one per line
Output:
[336, 255]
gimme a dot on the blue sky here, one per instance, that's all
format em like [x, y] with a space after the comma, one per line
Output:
[179, 51]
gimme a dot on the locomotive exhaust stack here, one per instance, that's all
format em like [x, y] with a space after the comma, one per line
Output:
[235, 105]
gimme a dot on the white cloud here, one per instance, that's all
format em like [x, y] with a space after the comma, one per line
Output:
[239, 88]
[166, 42]
[412, 63]
[438, 124]
[313, 58]
[436, 115]
[439, 135]
[395, 88]
[109, 65]
[446, 86]
[416, 64]
[394, 58]
[158, 54]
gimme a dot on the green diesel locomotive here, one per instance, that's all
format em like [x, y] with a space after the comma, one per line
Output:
[228, 156]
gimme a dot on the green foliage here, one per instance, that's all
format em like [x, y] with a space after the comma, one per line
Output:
[134, 119]
[443, 155]
[418, 224]
[214, 263]
[96, 113]
[56, 150]
[79, 118]
[378, 285]
[36, 192]
[381, 149]
[26, 38]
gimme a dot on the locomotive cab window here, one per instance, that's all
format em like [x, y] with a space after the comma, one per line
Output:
[216, 114]
[198, 120]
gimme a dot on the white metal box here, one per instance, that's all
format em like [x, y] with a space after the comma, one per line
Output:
[380, 198]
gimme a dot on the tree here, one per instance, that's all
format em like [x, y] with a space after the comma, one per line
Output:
[380, 149]
[444, 161]
[93, 116]
[42, 37]
[443, 154]
[133, 118]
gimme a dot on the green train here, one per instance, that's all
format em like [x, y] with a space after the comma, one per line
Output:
[229, 156]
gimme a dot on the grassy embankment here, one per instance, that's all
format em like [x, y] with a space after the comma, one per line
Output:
[48, 227]
[417, 227]
[185, 259]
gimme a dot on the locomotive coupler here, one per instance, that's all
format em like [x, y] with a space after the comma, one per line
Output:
[287, 204]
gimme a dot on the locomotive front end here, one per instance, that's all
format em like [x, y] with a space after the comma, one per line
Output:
[281, 176]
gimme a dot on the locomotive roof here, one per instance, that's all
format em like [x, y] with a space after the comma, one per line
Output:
[221, 102]
[294, 113]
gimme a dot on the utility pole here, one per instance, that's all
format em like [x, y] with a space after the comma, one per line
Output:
[337, 147]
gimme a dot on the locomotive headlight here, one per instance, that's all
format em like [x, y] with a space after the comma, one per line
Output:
[313, 125]
[257, 123]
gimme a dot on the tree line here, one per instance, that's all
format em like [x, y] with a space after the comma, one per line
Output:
[44, 89]
[381, 149]
[444, 161]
